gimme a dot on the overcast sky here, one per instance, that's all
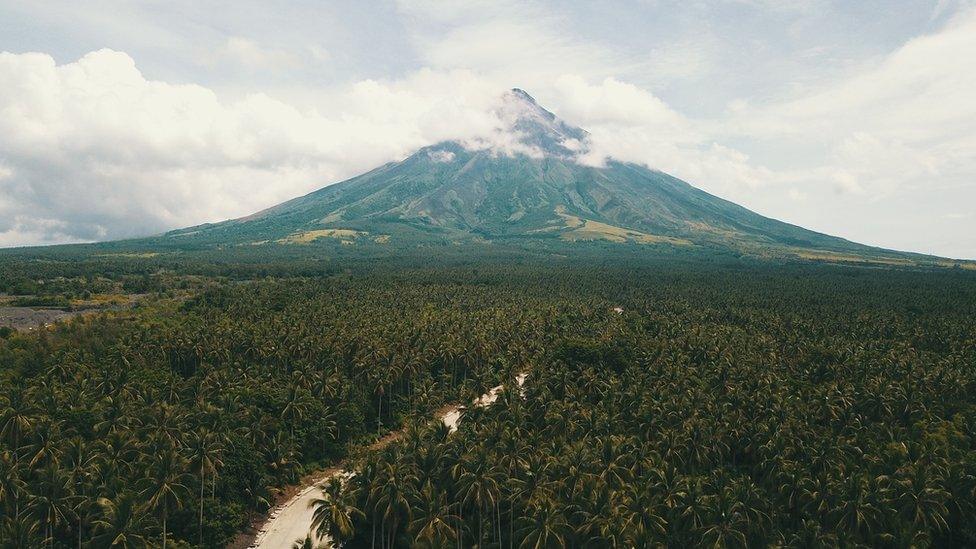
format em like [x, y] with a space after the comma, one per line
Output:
[120, 119]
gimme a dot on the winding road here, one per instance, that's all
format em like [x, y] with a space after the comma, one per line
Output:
[291, 520]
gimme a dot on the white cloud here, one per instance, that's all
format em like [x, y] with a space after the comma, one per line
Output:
[516, 44]
[441, 156]
[845, 182]
[250, 54]
[617, 103]
[923, 96]
[631, 124]
[111, 154]
[252, 57]
[94, 149]
[797, 195]
[18, 231]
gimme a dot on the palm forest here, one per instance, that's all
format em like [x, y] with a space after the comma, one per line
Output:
[677, 402]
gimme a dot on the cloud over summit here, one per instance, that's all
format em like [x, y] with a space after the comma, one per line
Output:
[866, 136]
[94, 150]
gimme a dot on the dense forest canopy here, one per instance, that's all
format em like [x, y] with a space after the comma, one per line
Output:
[729, 403]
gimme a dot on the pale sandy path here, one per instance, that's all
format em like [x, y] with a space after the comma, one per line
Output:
[291, 520]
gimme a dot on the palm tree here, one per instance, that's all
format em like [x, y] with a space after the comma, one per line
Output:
[282, 456]
[327, 422]
[379, 383]
[46, 447]
[51, 504]
[640, 509]
[117, 457]
[122, 523]
[80, 462]
[544, 527]
[16, 415]
[295, 409]
[165, 486]
[205, 451]
[18, 531]
[392, 492]
[857, 513]
[433, 520]
[479, 486]
[306, 543]
[83, 509]
[334, 514]
[12, 483]
[922, 500]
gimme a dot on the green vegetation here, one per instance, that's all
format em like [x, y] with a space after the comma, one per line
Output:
[768, 411]
[182, 415]
[731, 403]
[690, 380]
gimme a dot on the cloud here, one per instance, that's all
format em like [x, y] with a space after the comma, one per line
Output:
[630, 124]
[517, 44]
[902, 122]
[250, 54]
[16, 231]
[93, 150]
[617, 103]
[797, 195]
[845, 182]
[888, 138]
[441, 156]
[244, 55]
[800, 6]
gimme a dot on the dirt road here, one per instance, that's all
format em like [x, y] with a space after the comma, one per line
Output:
[291, 520]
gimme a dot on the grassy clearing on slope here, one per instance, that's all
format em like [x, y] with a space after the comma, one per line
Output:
[345, 236]
[587, 229]
[850, 258]
[304, 237]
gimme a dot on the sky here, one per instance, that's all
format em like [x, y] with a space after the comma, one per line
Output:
[122, 119]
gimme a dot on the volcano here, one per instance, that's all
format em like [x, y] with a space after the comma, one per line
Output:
[526, 185]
